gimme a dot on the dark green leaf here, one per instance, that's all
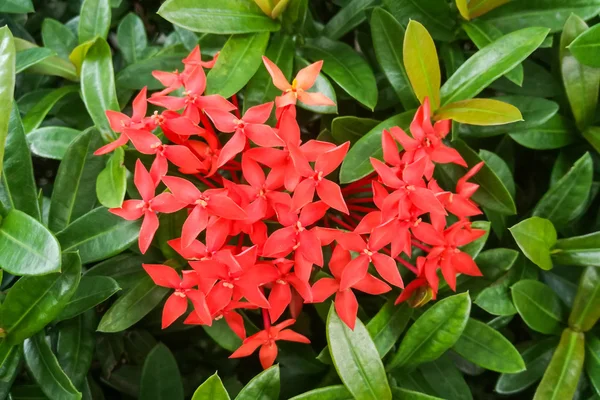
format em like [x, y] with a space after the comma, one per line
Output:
[387, 325]
[46, 371]
[160, 376]
[539, 306]
[58, 37]
[112, 181]
[338, 392]
[94, 20]
[125, 269]
[211, 389]
[53, 65]
[92, 290]
[581, 251]
[29, 57]
[555, 133]
[535, 237]
[264, 386]
[132, 39]
[537, 81]
[222, 334]
[349, 17]
[34, 117]
[51, 141]
[434, 332]
[217, 16]
[496, 298]
[138, 75]
[434, 14]
[356, 359]
[7, 84]
[452, 57]
[351, 128]
[405, 394]
[592, 360]
[10, 362]
[586, 307]
[445, 379]
[75, 347]
[16, 6]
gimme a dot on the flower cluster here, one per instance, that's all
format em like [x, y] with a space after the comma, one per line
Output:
[262, 207]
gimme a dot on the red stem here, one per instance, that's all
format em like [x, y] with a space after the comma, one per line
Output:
[211, 137]
[407, 265]
[234, 100]
[420, 245]
[355, 200]
[341, 223]
[356, 191]
[205, 181]
[361, 208]
[266, 319]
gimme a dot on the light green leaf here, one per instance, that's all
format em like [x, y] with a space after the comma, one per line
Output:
[53, 65]
[34, 117]
[29, 57]
[131, 37]
[58, 37]
[7, 84]
[264, 386]
[422, 64]
[94, 20]
[52, 141]
[539, 306]
[580, 251]
[111, 184]
[211, 389]
[586, 307]
[10, 366]
[479, 112]
[586, 47]
[535, 237]
[16, 6]
[592, 360]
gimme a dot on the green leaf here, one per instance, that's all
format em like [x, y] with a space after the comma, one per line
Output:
[26, 246]
[480, 112]
[592, 135]
[536, 357]
[445, 379]
[98, 235]
[338, 392]
[53, 65]
[34, 117]
[131, 37]
[463, 8]
[561, 378]
[405, 394]
[34, 301]
[580, 251]
[74, 191]
[346, 67]
[111, 184]
[551, 14]
[434, 332]
[586, 47]
[132, 306]
[500, 168]
[476, 246]
[567, 198]
[92, 290]
[125, 269]
[477, 8]
[351, 128]
[18, 189]
[46, 371]
[435, 15]
[387, 325]
[138, 75]
[58, 37]
[357, 164]
[188, 38]
[260, 88]
[98, 86]
[222, 334]
[592, 360]
[160, 377]
[7, 84]
[10, 366]
[217, 16]
[422, 64]
[496, 298]
[491, 62]
[30, 57]
[94, 20]
[537, 81]
[264, 386]
[322, 85]
[356, 359]
[535, 237]
[386, 32]
[586, 307]
[539, 306]
[237, 63]
[487, 348]
[482, 34]
[52, 141]
[211, 389]
[75, 347]
[16, 6]
[348, 18]
[555, 133]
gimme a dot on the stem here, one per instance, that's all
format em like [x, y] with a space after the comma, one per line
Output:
[240, 242]
[356, 200]
[266, 319]
[407, 265]
[420, 245]
[341, 223]
[356, 191]
[234, 100]
[211, 137]
[361, 208]
[205, 181]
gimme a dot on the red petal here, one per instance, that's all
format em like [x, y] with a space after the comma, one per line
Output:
[315, 99]
[200, 307]
[314, 148]
[223, 120]
[307, 76]
[182, 189]
[390, 149]
[218, 298]
[194, 224]
[223, 206]
[426, 200]
[263, 135]
[354, 272]
[346, 307]
[166, 203]
[174, 308]
[117, 120]
[387, 269]
[371, 285]
[129, 210]
[352, 241]
[408, 143]
[248, 347]
[183, 126]
[291, 336]
[149, 227]
[267, 355]
[252, 172]
[143, 181]
[279, 79]
[427, 233]
[310, 247]
[324, 288]
[258, 114]
[303, 194]
[387, 175]
[196, 81]
[163, 275]
[339, 259]
[168, 102]
[280, 243]
[140, 105]
[331, 194]
[279, 299]
[312, 212]
[143, 141]
[121, 140]
[330, 160]
[233, 147]
[236, 323]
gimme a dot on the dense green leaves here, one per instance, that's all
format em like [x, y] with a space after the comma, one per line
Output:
[160, 376]
[351, 15]
[34, 301]
[535, 237]
[586, 307]
[445, 379]
[579, 250]
[555, 133]
[356, 359]
[539, 306]
[434, 14]
[112, 181]
[29, 57]
[586, 46]
[51, 141]
[264, 386]
[10, 363]
[422, 64]
[75, 347]
[351, 128]
[211, 389]
[91, 291]
[58, 37]
[138, 75]
[434, 332]
[592, 360]
[388, 324]
[34, 117]
[132, 39]
[94, 20]
[7, 83]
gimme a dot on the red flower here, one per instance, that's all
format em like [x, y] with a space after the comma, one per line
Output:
[281, 293]
[177, 304]
[459, 203]
[266, 339]
[346, 304]
[233, 319]
[147, 207]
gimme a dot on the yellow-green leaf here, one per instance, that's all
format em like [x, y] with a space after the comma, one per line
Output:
[78, 54]
[463, 9]
[480, 112]
[480, 7]
[421, 63]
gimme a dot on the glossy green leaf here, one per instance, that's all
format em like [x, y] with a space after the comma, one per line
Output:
[482, 34]
[422, 64]
[211, 389]
[98, 86]
[357, 164]
[16, 6]
[539, 306]
[18, 189]
[160, 377]
[26, 246]
[125, 269]
[445, 379]
[386, 32]
[592, 135]
[76, 346]
[346, 67]
[356, 359]
[567, 198]
[592, 360]
[586, 47]
[52, 65]
[496, 298]
[74, 191]
[561, 378]
[555, 133]
[112, 181]
[586, 307]
[188, 38]
[500, 168]
[58, 37]
[264, 386]
[217, 16]
[98, 235]
[351, 129]
[581, 82]
[537, 81]
[30, 57]
[435, 15]
[338, 392]
[434, 332]
[488, 348]
[387, 325]
[92, 290]
[536, 357]
[34, 117]
[322, 85]
[34, 301]
[44, 367]
[222, 334]
[348, 18]
[51, 141]
[131, 37]
[535, 237]
[479, 112]
[78, 54]
[7, 84]
[260, 88]
[237, 63]
[452, 57]
[491, 62]
[138, 75]
[132, 306]
[405, 394]
[581, 251]
[10, 363]
[94, 19]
